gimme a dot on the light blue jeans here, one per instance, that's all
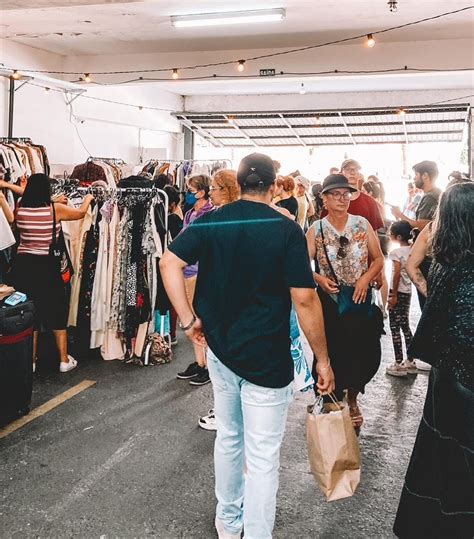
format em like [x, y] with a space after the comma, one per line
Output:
[250, 426]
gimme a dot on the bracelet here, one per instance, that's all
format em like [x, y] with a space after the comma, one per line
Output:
[189, 326]
[325, 368]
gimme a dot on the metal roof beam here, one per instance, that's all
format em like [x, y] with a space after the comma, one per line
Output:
[348, 131]
[231, 121]
[287, 123]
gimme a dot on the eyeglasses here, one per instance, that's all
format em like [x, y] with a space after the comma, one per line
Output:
[353, 170]
[337, 195]
[212, 188]
[343, 244]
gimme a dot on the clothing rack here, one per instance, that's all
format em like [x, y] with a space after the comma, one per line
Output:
[15, 139]
[114, 160]
[228, 161]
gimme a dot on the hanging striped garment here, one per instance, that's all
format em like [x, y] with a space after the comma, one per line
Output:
[36, 230]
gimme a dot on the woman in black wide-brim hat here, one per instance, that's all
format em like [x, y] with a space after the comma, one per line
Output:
[347, 256]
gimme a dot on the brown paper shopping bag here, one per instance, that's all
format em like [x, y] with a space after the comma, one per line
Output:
[333, 452]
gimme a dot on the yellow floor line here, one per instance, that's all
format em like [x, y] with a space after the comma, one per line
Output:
[45, 408]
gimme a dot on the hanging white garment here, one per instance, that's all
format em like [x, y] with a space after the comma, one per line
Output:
[112, 346]
[77, 265]
[7, 239]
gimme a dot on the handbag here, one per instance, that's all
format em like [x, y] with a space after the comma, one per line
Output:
[345, 303]
[58, 254]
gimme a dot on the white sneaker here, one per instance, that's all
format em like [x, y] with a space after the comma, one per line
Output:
[223, 533]
[396, 369]
[411, 366]
[208, 422]
[66, 367]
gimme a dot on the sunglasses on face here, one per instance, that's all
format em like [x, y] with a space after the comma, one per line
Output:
[343, 244]
[337, 195]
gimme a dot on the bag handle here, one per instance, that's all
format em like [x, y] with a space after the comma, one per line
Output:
[326, 252]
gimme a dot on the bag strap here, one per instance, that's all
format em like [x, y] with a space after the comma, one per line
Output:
[54, 240]
[326, 252]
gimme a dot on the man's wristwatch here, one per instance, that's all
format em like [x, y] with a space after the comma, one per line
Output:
[189, 326]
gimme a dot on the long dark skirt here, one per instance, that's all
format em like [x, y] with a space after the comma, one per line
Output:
[41, 281]
[438, 495]
[353, 346]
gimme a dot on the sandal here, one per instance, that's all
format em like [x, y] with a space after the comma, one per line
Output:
[356, 418]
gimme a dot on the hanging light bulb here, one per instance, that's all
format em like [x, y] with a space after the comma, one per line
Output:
[241, 65]
[392, 5]
[370, 41]
[87, 78]
[302, 89]
[318, 120]
[175, 74]
[401, 112]
[140, 108]
[47, 90]
[16, 75]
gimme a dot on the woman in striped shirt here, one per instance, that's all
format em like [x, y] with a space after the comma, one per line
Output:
[34, 272]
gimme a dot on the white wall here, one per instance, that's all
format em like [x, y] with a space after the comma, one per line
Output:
[107, 130]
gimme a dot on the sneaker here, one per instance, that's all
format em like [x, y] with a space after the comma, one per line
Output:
[201, 379]
[208, 422]
[193, 370]
[396, 369]
[66, 367]
[411, 366]
[223, 533]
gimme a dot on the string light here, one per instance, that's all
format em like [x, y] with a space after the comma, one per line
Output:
[87, 78]
[401, 112]
[264, 56]
[46, 90]
[318, 121]
[140, 108]
[392, 5]
[241, 65]
[16, 75]
[175, 74]
[302, 89]
[370, 41]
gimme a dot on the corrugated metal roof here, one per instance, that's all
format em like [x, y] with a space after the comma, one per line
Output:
[316, 128]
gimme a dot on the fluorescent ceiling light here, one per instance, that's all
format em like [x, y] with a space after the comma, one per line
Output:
[231, 17]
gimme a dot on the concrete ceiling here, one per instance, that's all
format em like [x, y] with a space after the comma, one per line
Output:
[91, 27]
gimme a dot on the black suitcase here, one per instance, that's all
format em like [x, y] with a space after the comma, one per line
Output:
[16, 360]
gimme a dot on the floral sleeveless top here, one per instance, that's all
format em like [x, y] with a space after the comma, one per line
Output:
[356, 260]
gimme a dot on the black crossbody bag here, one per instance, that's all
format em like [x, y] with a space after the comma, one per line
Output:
[345, 303]
[58, 254]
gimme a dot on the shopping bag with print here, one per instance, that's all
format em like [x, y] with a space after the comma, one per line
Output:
[303, 380]
[333, 451]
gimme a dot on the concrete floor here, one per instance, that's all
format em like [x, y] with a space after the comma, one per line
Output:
[127, 459]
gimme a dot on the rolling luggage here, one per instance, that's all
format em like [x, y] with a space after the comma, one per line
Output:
[16, 360]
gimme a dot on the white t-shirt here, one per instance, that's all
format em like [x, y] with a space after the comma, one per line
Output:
[7, 239]
[401, 255]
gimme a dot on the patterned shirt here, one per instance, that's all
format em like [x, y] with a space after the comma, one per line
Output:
[355, 263]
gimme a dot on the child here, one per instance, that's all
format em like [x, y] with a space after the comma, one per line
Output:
[399, 300]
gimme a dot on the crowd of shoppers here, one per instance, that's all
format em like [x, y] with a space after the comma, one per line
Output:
[241, 256]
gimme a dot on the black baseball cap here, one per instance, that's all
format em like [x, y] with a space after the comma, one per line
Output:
[256, 170]
[336, 181]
